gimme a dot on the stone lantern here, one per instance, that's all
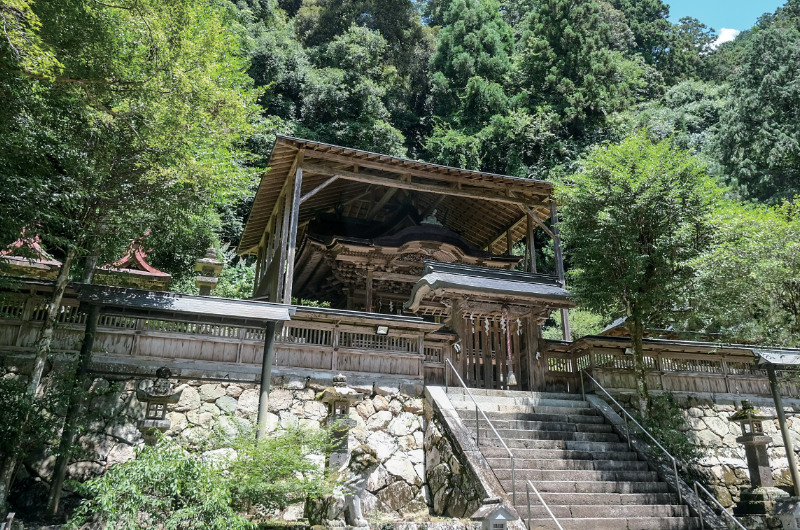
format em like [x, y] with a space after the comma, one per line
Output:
[761, 496]
[209, 268]
[339, 398]
[156, 398]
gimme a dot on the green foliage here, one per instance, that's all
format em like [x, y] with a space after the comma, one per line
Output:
[163, 487]
[278, 470]
[635, 217]
[633, 221]
[168, 487]
[28, 424]
[581, 323]
[759, 140]
[567, 61]
[667, 424]
[749, 281]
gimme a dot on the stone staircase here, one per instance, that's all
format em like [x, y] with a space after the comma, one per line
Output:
[583, 470]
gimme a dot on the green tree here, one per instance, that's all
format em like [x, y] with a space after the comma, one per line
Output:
[566, 61]
[474, 47]
[759, 139]
[631, 224]
[163, 487]
[142, 124]
[649, 22]
[749, 281]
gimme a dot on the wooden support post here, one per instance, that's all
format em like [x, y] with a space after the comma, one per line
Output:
[509, 243]
[281, 266]
[266, 378]
[293, 220]
[75, 407]
[368, 297]
[531, 245]
[566, 332]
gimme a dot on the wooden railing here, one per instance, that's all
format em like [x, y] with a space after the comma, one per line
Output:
[707, 372]
[313, 339]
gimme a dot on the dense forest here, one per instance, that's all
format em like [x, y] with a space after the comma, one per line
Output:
[124, 117]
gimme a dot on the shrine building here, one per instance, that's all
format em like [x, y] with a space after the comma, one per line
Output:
[377, 234]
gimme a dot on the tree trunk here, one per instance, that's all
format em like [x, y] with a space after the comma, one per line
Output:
[7, 468]
[637, 332]
[46, 335]
[76, 405]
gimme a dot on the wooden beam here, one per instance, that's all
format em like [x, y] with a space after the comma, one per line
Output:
[368, 297]
[501, 234]
[383, 200]
[395, 277]
[537, 220]
[422, 173]
[319, 188]
[427, 188]
[298, 183]
[432, 208]
[510, 242]
[531, 245]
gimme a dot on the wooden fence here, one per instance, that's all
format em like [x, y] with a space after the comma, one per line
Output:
[729, 371]
[314, 339]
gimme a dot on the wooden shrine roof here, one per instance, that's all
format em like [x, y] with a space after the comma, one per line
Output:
[498, 285]
[481, 207]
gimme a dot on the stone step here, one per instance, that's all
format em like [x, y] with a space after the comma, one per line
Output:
[617, 511]
[630, 523]
[525, 401]
[571, 475]
[540, 425]
[519, 434]
[531, 416]
[577, 465]
[558, 454]
[572, 445]
[557, 486]
[595, 499]
[451, 391]
[494, 407]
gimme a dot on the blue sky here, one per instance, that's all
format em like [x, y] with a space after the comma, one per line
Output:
[729, 14]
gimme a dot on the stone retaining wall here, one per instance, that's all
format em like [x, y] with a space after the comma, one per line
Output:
[725, 467]
[390, 420]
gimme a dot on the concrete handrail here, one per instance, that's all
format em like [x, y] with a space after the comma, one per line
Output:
[478, 426]
[628, 434]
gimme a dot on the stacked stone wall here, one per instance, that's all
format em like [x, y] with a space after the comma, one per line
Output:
[724, 467]
[390, 420]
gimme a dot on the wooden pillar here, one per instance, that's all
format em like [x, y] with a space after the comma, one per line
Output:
[281, 255]
[293, 224]
[266, 378]
[566, 332]
[368, 296]
[531, 245]
[509, 243]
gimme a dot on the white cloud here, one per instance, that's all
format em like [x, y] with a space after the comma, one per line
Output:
[725, 35]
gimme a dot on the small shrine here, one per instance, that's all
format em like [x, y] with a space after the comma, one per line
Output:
[25, 257]
[133, 270]
[156, 399]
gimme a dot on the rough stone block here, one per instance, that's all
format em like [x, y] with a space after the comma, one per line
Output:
[413, 405]
[405, 423]
[209, 393]
[83, 471]
[120, 454]
[378, 479]
[226, 404]
[384, 444]
[279, 400]
[396, 495]
[315, 410]
[365, 409]
[380, 403]
[248, 403]
[234, 391]
[401, 466]
[379, 420]
[190, 399]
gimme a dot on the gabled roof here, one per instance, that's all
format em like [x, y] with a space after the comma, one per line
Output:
[30, 249]
[493, 283]
[135, 262]
[479, 206]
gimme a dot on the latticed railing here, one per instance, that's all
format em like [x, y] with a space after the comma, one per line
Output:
[371, 341]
